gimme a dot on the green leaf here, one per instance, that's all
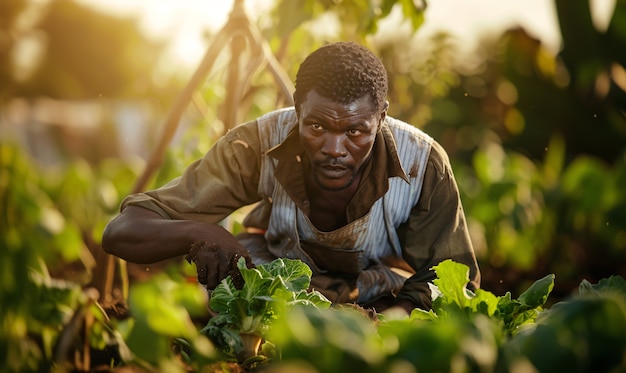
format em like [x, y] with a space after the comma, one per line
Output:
[452, 279]
[170, 320]
[420, 314]
[312, 298]
[334, 340]
[295, 274]
[222, 295]
[146, 343]
[268, 291]
[615, 284]
[484, 302]
[537, 294]
[158, 304]
[585, 334]
[414, 13]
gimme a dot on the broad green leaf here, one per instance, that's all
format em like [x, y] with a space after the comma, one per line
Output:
[420, 314]
[484, 302]
[614, 283]
[146, 343]
[222, 295]
[578, 335]
[170, 320]
[537, 294]
[314, 298]
[157, 304]
[452, 279]
[295, 274]
[269, 290]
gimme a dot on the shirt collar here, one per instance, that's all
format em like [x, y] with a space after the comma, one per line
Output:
[384, 164]
[390, 150]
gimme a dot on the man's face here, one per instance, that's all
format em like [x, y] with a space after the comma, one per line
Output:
[338, 138]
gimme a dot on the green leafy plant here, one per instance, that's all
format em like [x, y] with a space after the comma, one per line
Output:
[338, 339]
[585, 333]
[268, 291]
[526, 215]
[465, 332]
[162, 311]
[454, 297]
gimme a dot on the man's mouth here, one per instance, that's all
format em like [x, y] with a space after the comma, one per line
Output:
[333, 171]
[334, 167]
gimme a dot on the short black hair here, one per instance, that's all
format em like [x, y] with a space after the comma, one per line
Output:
[343, 72]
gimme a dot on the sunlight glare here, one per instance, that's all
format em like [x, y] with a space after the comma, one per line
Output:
[188, 47]
[182, 24]
[601, 12]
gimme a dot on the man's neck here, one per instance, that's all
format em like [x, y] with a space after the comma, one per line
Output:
[328, 207]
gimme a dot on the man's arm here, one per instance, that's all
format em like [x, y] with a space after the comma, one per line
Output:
[139, 235]
[143, 236]
[181, 217]
[435, 231]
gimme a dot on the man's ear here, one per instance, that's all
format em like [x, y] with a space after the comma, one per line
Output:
[296, 104]
[383, 113]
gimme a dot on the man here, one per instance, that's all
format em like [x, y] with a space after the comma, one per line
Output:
[367, 201]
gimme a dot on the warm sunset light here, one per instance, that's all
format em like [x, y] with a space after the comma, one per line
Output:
[327, 186]
[185, 23]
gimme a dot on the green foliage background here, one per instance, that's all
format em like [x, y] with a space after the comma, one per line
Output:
[537, 142]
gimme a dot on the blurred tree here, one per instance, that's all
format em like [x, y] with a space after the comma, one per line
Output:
[525, 94]
[294, 28]
[596, 61]
[358, 18]
[538, 142]
[89, 54]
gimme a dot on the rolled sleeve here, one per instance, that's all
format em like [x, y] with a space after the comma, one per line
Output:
[211, 188]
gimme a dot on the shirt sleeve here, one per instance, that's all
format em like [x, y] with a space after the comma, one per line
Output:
[436, 230]
[212, 187]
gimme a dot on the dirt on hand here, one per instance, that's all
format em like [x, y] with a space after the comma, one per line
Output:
[234, 272]
[198, 254]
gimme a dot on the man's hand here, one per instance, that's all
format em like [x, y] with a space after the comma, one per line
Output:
[400, 310]
[217, 257]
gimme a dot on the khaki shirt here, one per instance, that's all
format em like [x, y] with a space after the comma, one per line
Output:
[227, 178]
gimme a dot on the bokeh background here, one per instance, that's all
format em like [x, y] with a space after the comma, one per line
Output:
[528, 98]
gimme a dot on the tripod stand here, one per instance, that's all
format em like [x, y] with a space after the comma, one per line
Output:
[237, 34]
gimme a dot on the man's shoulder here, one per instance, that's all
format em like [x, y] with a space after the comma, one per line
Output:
[398, 126]
[275, 126]
[274, 123]
[406, 134]
[283, 116]
[437, 155]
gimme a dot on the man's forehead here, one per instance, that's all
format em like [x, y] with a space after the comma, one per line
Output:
[315, 99]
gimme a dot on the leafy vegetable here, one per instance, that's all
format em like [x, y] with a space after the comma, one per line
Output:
[268, 291]
[452, 280]
[537, 294]
[454, 297]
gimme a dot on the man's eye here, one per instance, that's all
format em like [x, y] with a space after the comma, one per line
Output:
[354, 132]
[316, 127]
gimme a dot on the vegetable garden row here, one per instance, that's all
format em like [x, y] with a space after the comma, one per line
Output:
[165, 328]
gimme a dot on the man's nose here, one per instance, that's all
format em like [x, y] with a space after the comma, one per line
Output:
[334, 146]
